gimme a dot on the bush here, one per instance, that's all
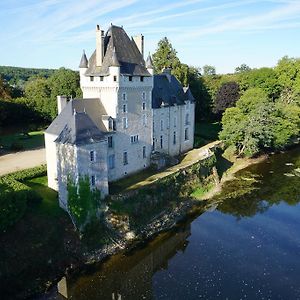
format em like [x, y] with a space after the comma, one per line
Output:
[15, 196]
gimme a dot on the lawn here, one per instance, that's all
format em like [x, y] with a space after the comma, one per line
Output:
[207, 131]
[49, 206]
[22, 141]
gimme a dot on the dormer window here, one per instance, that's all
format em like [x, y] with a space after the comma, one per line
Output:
[130, 78]
[91, 78]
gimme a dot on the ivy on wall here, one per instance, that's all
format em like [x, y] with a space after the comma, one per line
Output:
[83, 201]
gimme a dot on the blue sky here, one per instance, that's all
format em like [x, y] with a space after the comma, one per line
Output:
[223, 33]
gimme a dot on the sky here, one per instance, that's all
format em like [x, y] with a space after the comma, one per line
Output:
[222, 33]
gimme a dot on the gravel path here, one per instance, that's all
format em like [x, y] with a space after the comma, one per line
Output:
[21, 160]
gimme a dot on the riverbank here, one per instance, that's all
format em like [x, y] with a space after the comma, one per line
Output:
[238, 165]
[73, 255]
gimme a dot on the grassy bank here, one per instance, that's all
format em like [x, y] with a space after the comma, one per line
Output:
[38, 247]
[22, 141]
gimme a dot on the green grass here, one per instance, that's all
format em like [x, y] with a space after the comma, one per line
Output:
[130, 180]
[22, 141]
[207, 131]
[49, 206]
[201, 191]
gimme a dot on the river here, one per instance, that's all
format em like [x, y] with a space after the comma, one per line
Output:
[247, 246]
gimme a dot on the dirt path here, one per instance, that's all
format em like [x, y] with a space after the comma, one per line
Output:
[21, 160]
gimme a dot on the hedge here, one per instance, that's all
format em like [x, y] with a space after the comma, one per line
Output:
[15, 195]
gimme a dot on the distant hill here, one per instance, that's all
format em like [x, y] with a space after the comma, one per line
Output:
[18, 76]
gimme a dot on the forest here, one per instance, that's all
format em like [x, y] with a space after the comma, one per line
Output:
[259, 109]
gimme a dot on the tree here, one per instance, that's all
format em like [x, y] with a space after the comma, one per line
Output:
[226, 96]
[209, 70]
[263, 78]
[251, 99]
[5, 92]
[201, 94]
[165, 56]
[242, 68]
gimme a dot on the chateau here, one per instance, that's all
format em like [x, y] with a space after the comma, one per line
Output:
[126, 115]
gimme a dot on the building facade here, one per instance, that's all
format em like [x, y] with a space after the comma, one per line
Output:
[126, 114]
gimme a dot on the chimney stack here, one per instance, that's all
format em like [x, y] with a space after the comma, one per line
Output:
[99, 46]
[61, 103]
[139, 41]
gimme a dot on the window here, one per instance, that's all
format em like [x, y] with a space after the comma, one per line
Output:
[91, 78]
[124, 108]
[130, 78]
[93, 180]
[115, 78]
[144, 106]
[187, 119]
[125, 158]
[161, 141]
[175, 121]
[125, 123]
[124, 96]
[186, 134]
[144, 120]
[161, 125]
[110, 124]
[174, 138]
[144, 151]
[101, 78]
[142, 78]
[111, 161]
[144, 95]
[134, 139]
[92, 156]
[153, 144]
[110, 142]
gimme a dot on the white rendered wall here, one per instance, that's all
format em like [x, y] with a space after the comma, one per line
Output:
[173, 118]
[51, 159]
[75, 162]
[133, 91]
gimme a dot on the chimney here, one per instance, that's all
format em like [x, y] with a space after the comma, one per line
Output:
[61, 103]
[99, 46]
[139, 41]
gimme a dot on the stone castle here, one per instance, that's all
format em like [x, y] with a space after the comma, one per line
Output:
[126, 115]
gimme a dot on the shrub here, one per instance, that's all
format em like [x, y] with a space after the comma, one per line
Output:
[15, 196]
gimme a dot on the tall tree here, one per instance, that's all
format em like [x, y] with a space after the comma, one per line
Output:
[209, 70]
[242, 68]
[226, 96]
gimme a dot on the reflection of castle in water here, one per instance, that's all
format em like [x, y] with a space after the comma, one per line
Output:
[130, 277]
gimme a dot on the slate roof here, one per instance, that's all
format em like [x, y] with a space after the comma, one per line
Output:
[91, 108]
[126, 52]
[83, 61]
[168, 91]
[80, 130]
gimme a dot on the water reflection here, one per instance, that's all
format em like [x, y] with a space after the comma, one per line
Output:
[214, 256]
[130, 277]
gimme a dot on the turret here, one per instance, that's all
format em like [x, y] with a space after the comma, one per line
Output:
[83, 64]
[149, 64]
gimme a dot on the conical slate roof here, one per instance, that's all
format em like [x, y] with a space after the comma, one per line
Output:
[149, 63]
[114, 61]
[127, 55]
[83, 61]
